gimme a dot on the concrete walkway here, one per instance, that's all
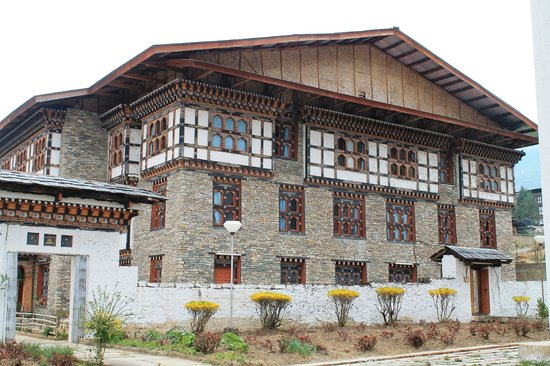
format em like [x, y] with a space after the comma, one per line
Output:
[113, 357]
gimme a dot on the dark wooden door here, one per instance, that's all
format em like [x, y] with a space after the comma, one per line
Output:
[484, 306]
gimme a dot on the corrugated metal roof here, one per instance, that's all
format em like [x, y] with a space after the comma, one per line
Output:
[10, 179]
[483, 255]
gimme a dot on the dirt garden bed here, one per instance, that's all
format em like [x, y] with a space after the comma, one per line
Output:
[296, 344]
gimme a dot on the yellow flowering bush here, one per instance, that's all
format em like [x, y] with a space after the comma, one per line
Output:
[389, 302]
[201, 312]
[521, 304]
[343, 300]
[444, 302]
[271, 307]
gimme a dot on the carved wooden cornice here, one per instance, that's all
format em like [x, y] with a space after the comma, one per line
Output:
[206, 166]
[64, 214]
[375, 128]
[186, 90]
[370, 188]
[126, 180]
[122, 113]
[487, 151]
[485, 203]
[348, 195]
[43, 118]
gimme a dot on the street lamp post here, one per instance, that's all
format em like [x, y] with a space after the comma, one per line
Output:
[232, 227]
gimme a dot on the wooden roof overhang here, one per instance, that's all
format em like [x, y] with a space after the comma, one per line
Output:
[139, 76]
[473, 256]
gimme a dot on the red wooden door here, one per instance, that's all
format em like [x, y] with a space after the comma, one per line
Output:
[485, 306]
[222, 274]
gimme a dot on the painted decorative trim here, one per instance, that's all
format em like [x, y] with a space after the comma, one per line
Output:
[206, 166]
[187, 90]
[64, 214]
[370, 188]
[487, 151]
[375, 128]
[486, 203]
[122, 113]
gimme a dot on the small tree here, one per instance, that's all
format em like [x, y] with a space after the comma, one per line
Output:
[444, 302]
[521, 304]
[526, 210]
[201, 312]
[389, 302]
[271, 307]
[343, 300]
[103, 318]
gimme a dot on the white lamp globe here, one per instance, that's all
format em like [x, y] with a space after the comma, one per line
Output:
[232, 226]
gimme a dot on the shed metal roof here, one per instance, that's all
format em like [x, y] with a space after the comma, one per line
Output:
[477, 255]
[37, 183]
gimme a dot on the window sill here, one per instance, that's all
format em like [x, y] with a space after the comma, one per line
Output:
[401, 242]
[290, 233]
[348, 238]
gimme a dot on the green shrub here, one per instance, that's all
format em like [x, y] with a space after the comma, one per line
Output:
[32, 350]
[151, 335]
[47, 331]
[233, 342]
[542, 309]
[207, 342]
[180, 336]
[294, 345]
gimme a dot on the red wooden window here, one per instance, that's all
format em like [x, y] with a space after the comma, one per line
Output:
[155, 271]
[349, 217]
[156, 136]
[488, 178]
[227, 202]
[293, 271]
[6, 165]
[446, 224]
[400, 222]
[39, 154]
[291, 211]
[487, 229]
[158, 210]
[402, 272]
[446, 168]
[350, 273]
[222, 269]
[351, 154]
[403, 163]
[117, 149]
[284, 145]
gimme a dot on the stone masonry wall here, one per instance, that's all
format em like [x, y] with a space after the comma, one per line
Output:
[84, 147]
[59, 284]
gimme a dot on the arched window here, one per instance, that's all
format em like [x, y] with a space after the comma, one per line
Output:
[412, 156]
[349, 146]
[495, 186]
[350, 163]
[402, 170]
[282, 205]
[336, 211]
[241, 126]
[164, 124]
[293, 223]
[286, 151]
[341, 160]
[216, 141]
[360, 147]
[217, 217]
[345, 211]
[282, 223]
[341, 144]
[157, 127]
[157, 146]
[229, 199]
[151, 148]
[412, 172]
[228, 142]
[393, 169]
[229, 124]
[393, 153]
[151, 130]
[217, 198]
[241, 144]
[217, 122]
[402, 154]
[361, 164]
[163, 143]
[480, 168]
[481, 184]
[119, 157]
[286, 133]
[293, 205]
[494, 172]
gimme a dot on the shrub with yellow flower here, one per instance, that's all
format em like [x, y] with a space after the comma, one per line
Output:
[343, 300]
[444, 302]
[521, 304]
[271, 307]
[201, 312]
[389, 302]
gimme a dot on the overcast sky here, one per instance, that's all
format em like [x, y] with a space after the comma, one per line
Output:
[50, 46]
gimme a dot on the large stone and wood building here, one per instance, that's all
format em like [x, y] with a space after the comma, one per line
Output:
[348, 157]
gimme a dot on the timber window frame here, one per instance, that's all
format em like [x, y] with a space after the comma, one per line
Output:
[230, 133]
[446, 168]
[285, 140]
[158, 209]
[293, 271]
[403, 162]
[349, 216]
[350, 273]
[351, 154]
[226, 201]
[291, 210]
[487, 229]
[446, 224]
[402, 273]
[117, 147]
[222, 264]
[155, 268]
[400, 221]
[157, 136]
[488, 177]
[39, 154]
